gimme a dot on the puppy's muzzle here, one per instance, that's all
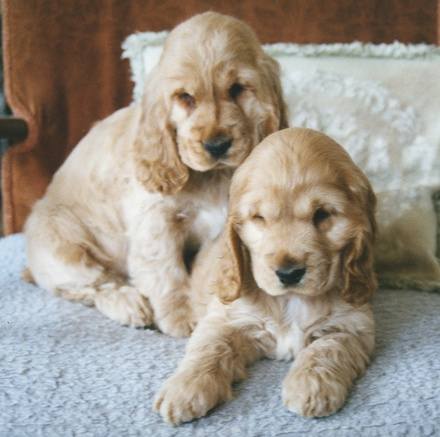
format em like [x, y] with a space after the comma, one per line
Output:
[290, 274]
[218, 146]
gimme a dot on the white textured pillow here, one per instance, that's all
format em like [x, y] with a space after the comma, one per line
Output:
[382, 102]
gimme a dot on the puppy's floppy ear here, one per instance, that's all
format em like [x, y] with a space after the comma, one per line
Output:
[278, 118]
[230, 268]
[358, 276]
[157, 162]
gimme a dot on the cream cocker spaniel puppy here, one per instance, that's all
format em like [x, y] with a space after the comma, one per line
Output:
[290, 277]
[149, 184]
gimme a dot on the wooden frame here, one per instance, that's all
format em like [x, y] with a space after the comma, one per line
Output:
[13, 128]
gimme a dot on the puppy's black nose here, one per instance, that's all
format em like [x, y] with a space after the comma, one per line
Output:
[217, 146]
[290, 274]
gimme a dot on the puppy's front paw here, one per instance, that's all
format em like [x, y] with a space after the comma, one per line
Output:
[313, 392]
[189, 395]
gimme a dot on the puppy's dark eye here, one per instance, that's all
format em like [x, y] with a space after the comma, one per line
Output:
[187, 99]
[320, 216]
[235, 90]
[258, 218]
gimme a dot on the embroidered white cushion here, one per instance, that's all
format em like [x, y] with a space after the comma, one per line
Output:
[382, 103]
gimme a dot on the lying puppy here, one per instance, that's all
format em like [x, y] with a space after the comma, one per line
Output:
[290, 277]
[150, 182]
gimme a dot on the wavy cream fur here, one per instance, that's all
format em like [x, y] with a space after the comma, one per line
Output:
[140, 190]
[324, 322]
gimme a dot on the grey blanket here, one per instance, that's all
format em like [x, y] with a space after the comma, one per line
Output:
[67, 370]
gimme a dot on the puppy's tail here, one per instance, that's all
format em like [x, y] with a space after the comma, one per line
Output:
[26, 275]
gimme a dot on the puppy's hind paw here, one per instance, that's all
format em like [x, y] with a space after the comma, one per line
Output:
[176, 317]
[124, 305]
[176, 326]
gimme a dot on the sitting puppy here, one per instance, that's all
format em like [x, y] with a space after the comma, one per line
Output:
[148, 184]
[290, 277]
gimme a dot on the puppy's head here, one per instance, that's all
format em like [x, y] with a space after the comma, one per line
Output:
[212, 97]
[302, 216]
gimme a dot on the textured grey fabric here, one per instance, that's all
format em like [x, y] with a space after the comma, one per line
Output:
[67, 370]
[436, 200]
